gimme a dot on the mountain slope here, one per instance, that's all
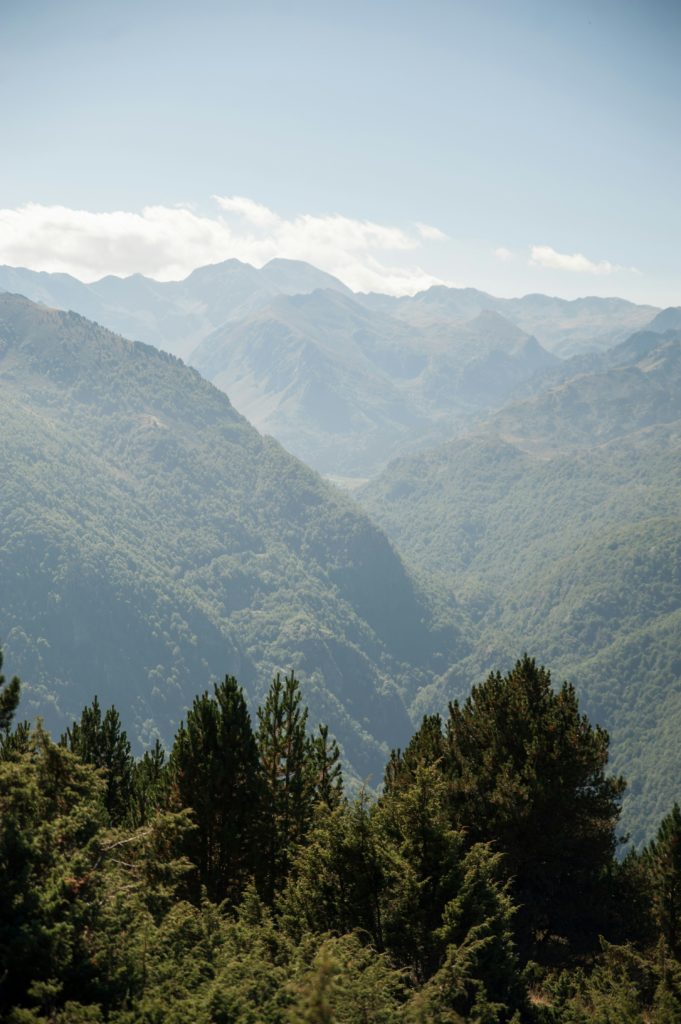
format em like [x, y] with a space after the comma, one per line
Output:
[634, 385]
[151, 538]
[346, 388]
[567, 543]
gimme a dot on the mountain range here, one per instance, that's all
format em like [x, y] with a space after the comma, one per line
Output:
[345, 381]
[172, 315]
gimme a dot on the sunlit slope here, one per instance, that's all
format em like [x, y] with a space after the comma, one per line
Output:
[569, 549]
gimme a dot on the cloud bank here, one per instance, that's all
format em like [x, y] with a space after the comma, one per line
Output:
[167, 243]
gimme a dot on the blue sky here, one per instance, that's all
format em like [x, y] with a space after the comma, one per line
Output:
[541, 139]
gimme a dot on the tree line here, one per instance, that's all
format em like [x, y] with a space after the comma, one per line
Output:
[233, 880]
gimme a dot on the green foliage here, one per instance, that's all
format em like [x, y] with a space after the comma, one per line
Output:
[214, 770]
[480, 976]
[99, 740]
[415, 823]
[347, 981]
[327, 774]
[380, 911]
[528, 772]
[52, 823]
[290, 766]
[9, 702]
[338, 876]
[662, 859]
[150, 784]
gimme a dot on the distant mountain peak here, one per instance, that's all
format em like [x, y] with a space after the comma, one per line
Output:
[667, 319]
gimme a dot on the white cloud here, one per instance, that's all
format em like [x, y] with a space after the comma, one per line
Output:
[256, 213]
[503, 254]
[545, 256]
[430, 233]
[167, 243]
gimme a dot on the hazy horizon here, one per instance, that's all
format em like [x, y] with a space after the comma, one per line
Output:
[515, 150]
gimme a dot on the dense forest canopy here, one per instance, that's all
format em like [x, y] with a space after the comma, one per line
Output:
[234, 880]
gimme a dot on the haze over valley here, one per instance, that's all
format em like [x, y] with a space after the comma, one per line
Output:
[522, 534]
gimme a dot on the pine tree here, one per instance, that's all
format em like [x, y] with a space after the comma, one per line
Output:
[480, 974]
[288, 762]
[415, 821]
[426, 747]
[99, 740]
[150, 783]
[215, 771]
[9, 702]
[339, 876]
[327, 775]
[528, 773]
[314, 1001]
[662, 859]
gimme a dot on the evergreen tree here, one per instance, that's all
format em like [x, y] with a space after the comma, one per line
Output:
[215, 771]
[9, 702]
[288, 764]
[480, 976]
[426, 747]
[99, 740]
[51, 822]
[150, 783]
[347, 982]
[528, 773]
[339, 876]
[327, 775]
[662, 859]
[415, 821]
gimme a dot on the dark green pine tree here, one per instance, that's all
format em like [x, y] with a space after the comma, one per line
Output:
[288, 772]
[327, 774]
[415, 822]
[662, 858]
[339, 876]
[426, 747]
[528, 772]
[9, 702]
[150, 784]
[99, 740]
[215, 771]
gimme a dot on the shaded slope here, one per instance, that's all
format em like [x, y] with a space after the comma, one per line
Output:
[150, 537]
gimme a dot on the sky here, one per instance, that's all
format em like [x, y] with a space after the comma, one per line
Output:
[510, 145]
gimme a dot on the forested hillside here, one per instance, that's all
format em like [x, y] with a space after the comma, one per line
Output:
[567, 541]
[150, 538]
